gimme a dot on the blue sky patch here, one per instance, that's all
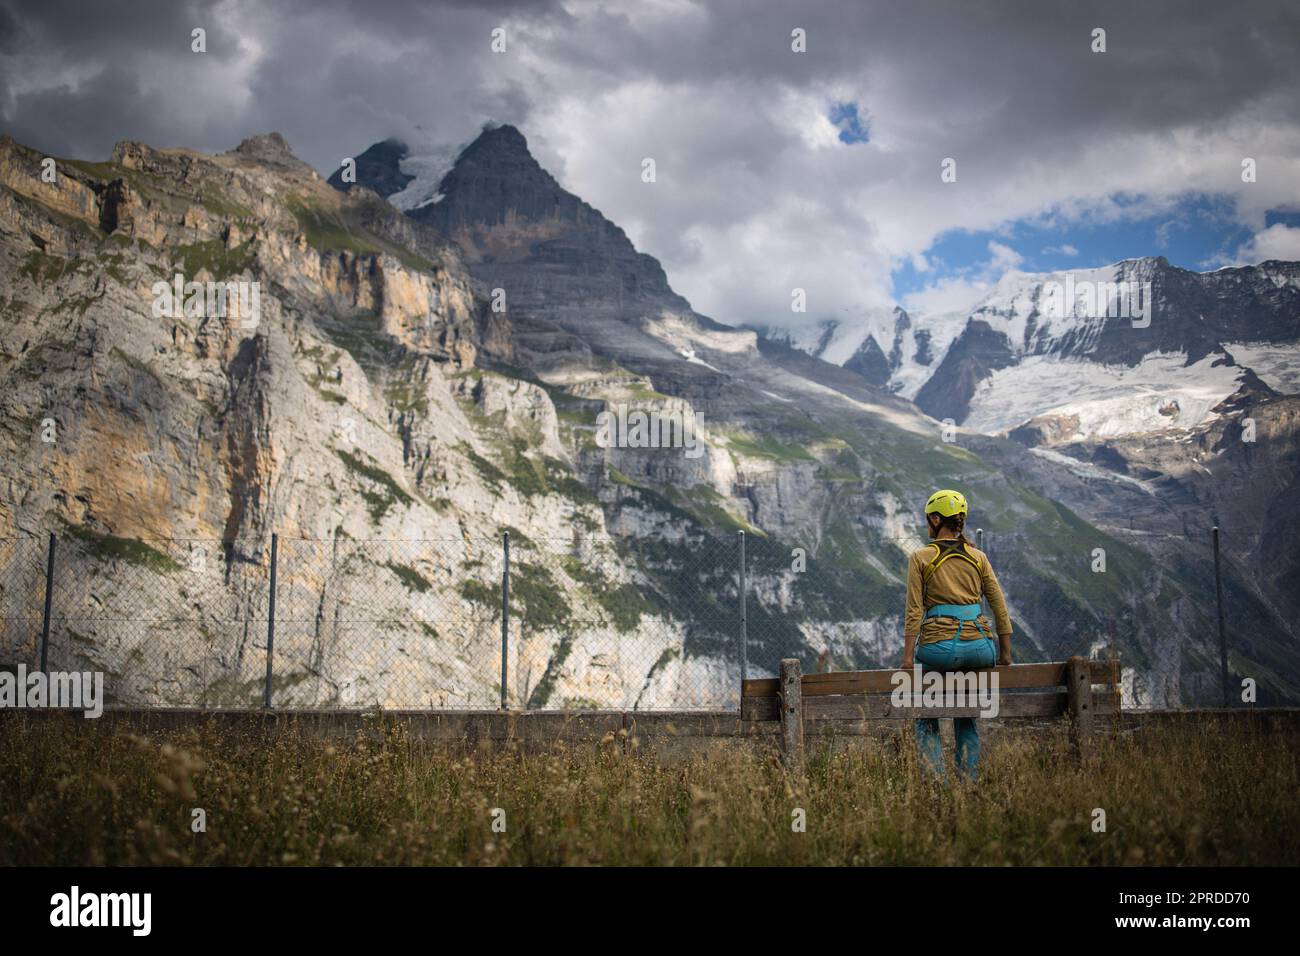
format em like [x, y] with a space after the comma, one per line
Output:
[1199, 233]
[853, 128]
[1289, 219]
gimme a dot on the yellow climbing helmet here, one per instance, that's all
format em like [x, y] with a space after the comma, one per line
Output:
[946, 503]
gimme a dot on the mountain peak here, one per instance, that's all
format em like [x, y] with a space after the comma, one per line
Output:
[504, 145]
[378, 168]
[495, 178]
[270, 149]
[504, 135]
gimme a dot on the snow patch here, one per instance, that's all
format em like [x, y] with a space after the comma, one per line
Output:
[1085, 469]
[1161, 392]
[1277, 365]
[684, 335]
[428, 168]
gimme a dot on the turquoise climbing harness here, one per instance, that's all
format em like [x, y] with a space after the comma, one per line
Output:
[961, 613]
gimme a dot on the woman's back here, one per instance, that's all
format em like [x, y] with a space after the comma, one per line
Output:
[945, 581]
[951, 571]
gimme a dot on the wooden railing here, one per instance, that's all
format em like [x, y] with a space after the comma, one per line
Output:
[1054, 689]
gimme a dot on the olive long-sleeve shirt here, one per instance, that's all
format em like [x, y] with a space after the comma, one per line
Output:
[956, 581]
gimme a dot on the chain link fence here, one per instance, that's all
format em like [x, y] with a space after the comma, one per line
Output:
[22, 599]
[577, 622]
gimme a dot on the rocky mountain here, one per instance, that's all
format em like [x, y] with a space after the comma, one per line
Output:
[379, 168]
[405, 386]
[880, 345]
[1025, 352]
[569, 279]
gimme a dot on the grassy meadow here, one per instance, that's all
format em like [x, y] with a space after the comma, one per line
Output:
[78, 792]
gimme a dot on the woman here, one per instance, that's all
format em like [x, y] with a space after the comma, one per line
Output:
[944, 582]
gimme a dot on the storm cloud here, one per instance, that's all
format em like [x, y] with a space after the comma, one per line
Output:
[756, 191]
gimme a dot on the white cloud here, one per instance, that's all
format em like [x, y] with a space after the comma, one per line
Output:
[1003, 258]
[758, 195]
[947, 295]
[1278, 241]
[755, 194]
[959, 293]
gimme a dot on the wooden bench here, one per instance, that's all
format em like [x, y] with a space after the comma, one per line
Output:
[1054, 689]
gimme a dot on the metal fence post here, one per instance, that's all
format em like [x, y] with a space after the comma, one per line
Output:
[744, 619]
[505, 610]
[1223, 641]
[270, 624]
[49, 597]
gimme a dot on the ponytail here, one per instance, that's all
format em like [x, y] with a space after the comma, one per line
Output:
[955, 523]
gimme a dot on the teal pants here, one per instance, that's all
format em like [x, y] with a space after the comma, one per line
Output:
[952, 655]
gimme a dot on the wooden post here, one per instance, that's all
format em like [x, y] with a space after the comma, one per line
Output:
[792, 714]
[1078, 686]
